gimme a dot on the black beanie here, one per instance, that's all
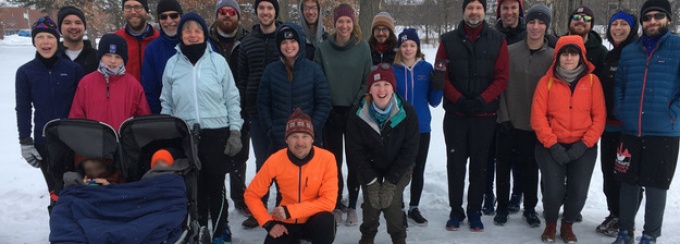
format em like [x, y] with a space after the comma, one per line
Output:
[168, 5]
[274, 2]
[658, 5]
[112, 43]
[70, 10]
[582, 10]
[143, 2]
[286, 31]
[466, 2]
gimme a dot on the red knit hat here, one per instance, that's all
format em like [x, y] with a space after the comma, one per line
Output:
[381, 72]
[164, 155]
[343, 9]
[299, 122]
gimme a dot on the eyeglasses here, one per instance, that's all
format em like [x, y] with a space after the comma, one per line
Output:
[656, 16]
[310, 9]
[227, 12]
[137, 8]
[579, 17]
[385, 66]
[171, 15]
[381, 29]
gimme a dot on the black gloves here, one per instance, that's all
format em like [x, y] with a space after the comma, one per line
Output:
[559, 154]
[505, 127]
[577, 150]
[438, 77]
[471, 106]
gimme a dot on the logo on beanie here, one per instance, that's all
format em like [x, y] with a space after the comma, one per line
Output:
[288, 35]
[579, 10]
[404, 38]
[112, 48]
[376, 77]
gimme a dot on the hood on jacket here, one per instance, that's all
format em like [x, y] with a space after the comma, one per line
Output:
[195, 17]
[632, 36]
[498, 9]
[290, 30]
[305, 27]
[570, 40]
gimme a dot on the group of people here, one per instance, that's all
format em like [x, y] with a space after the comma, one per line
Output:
[516, 99]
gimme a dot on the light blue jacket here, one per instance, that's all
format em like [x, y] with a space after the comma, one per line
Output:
[203, 94]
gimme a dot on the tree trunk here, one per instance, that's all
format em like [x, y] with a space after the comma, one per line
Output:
[561, 10]
[367, 9]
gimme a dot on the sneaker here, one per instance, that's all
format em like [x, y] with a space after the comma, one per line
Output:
[217, 240]
[548, 235]
[513, 205]
[475, 221]
[250, 223]
[352, 218]
[567, 233]
[404, 219]
[244, 211]
[501, 217]
[226, 235]
[337, 213]
[488, 206]
[609, 226]
[531, 218]
[453, 224]
[625, 237]
[645, 239]
[417, 217]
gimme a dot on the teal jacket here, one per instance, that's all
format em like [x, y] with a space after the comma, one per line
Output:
[204, 93]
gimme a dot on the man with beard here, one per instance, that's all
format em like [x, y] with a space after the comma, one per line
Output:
[159, 51]
[581, 22]
[256, 51]
[646, 102]
[226, 34]
[137, 34]
[510, 20]
[72, 26]
[312, 25]
[476, 61]
[383, 42]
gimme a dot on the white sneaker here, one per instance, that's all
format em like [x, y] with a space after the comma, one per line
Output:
[352, 218]
[337, 214]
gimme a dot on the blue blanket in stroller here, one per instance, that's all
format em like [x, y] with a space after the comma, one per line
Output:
[146, 211]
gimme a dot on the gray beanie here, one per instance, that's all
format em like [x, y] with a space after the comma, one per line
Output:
[540, 12]
[231, 3]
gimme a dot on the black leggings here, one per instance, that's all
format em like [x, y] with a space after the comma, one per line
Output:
[419, 169]
[334, 132]
[212, 196]
[320, 228]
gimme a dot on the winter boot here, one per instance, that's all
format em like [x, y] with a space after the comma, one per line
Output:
[513, 205]
[399, 241]
[475, 221]
[625, 237]
[609, 226]
[531, 217]
[366, 239]
[488, 206]
[453, 224]
[352, 218]
[567, 233]
[337, 214]
[548, 235]
[501, 217]
[226, 235]
[250, 223]
[415, 215]
[645, 239]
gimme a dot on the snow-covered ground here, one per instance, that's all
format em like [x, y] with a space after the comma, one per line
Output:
[23, 194]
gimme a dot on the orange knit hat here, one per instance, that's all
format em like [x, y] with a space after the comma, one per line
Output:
[164, 155]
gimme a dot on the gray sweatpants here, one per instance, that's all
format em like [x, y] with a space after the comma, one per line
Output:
[565, 184]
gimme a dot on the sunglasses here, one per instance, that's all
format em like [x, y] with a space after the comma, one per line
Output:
[171, 15]
[227, 12]
[385, 66]
[656, 16]
[585, 18]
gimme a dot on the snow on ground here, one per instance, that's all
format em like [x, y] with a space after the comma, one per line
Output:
[23, 194]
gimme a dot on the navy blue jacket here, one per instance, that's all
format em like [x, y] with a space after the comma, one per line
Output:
[277, 97]
[48, 91]
[413, 84]
[156, 56]
[647, 88]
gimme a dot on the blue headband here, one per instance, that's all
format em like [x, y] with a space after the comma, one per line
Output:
[624, 16]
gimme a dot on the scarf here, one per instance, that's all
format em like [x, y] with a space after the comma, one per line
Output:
[380, 115]
[650, 42]
[569, 75]
[380, 47]
[48, 62]
[107, 72]
[193, 52]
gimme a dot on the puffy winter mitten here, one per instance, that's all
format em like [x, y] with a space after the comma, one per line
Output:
[559, 154]
[31, 155]
[472, 105]
[373, 192]
[386, 194]
[234, 144]
[577, 150]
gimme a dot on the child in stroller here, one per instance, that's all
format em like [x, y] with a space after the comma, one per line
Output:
[92, 172]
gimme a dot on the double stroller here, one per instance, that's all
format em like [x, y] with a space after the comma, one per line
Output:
[160, 209]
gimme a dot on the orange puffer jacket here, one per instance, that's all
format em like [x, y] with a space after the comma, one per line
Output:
[306, 190]
[559, 115]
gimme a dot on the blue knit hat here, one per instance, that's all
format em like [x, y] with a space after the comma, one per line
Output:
[195, 17]
[408, 34]
[44, 24]
[628, 17]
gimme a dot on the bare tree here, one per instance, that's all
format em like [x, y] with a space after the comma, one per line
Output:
[561, 10]
[367, 9]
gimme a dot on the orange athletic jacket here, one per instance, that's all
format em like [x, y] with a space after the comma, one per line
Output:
[306, 190]
[560, 116]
